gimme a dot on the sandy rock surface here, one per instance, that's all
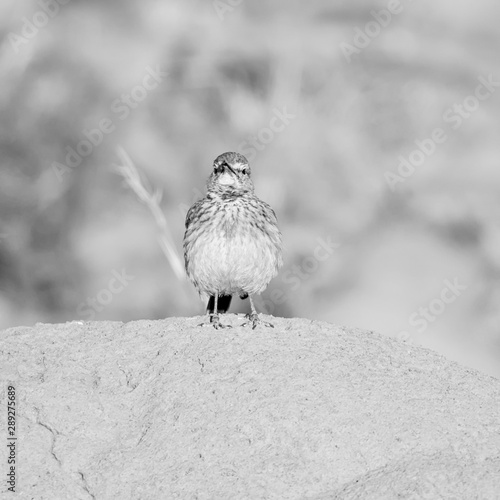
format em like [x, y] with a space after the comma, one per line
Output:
[307, 410]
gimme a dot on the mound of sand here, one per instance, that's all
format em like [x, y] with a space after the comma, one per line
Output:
[168, 409]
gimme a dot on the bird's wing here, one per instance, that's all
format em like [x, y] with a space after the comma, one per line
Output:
[192, 212]
[269, 212]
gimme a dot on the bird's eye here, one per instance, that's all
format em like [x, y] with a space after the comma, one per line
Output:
[244, 170]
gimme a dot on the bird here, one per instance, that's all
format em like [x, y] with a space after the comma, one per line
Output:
[232, 243]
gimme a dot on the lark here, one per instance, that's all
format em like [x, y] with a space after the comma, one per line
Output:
[232, 243]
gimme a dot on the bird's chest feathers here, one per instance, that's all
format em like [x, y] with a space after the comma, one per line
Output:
[230, 220]
[235, 236]
[233, 252]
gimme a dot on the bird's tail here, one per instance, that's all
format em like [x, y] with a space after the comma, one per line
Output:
[223, 303]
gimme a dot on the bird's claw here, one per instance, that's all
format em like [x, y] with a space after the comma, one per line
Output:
[255, 320]
[214, 321]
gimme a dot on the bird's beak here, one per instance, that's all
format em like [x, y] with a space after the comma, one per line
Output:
[231, 168]
[227, 179]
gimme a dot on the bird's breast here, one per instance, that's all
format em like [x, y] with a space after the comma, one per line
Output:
[237, 249]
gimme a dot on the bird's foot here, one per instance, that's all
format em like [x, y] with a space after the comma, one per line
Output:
[214, 321]
[255, 320]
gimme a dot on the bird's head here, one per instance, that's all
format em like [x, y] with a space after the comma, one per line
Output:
[231, 174]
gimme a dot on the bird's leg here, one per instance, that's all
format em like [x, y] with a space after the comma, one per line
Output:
[254, 317]
[214, 316]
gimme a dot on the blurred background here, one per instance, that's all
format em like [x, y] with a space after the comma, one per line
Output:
[372, 128]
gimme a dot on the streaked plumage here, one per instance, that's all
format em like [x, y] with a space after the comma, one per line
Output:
[232, 243]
